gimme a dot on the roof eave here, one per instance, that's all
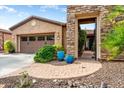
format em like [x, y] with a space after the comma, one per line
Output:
[39, 18]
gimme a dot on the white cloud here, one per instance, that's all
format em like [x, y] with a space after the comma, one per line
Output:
[43, 8]
[49, 6]
[22, 14]
[9, 9]
[3, 26]
[64, 9]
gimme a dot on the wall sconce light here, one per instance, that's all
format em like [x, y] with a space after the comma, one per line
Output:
[58, 36]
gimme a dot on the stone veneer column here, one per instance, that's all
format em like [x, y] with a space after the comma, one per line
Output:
[70, 34]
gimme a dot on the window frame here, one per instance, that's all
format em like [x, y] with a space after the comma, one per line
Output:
[43, 38]
[32, 39]
[48, 37]
[22, 38]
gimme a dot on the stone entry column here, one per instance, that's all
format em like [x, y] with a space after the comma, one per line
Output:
[75, 12]
[70, 34]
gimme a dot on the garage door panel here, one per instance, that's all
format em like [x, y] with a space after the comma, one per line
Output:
[50, 42]
[27, 46]
[31, 46]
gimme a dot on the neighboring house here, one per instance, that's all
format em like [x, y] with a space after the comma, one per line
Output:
[4, 35]
[34, 32]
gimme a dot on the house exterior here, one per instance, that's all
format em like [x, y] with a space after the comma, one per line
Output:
[34, 32]
[77, 14]
[4, 35]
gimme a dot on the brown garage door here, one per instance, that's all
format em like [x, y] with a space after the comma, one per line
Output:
[30, 44]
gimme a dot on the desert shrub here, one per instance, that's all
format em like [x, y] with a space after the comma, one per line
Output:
[24, 81]
[45, 54]
[9, 47]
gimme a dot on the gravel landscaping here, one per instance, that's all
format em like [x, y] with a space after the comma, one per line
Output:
[55, 69]
[111, 73]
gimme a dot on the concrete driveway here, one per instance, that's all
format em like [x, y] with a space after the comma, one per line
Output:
[13, 62]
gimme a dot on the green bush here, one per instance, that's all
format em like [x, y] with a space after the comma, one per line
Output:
[59, 47]
[81, 41]
[45, 54]
[9, 47]
[113, 42]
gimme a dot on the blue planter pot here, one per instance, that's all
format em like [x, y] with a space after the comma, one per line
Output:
[69, 59]
[60, 55]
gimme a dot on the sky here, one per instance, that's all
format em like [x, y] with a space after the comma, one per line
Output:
[12, 14]
[90, 26]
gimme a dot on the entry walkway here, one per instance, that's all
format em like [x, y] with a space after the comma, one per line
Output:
[88, 55]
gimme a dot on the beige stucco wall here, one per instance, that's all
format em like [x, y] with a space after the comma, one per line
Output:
[41, 27]
[7, 36]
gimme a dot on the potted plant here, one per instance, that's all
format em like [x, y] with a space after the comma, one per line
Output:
[69, 59]
[60, 52]
[60, 55]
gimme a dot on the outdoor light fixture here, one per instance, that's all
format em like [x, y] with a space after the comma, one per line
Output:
[58, 36]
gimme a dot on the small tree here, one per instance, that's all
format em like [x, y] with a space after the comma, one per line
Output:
[114, 40]
[9, 47]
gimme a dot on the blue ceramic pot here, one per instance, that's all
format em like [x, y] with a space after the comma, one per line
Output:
[60, 55]
[69, 59]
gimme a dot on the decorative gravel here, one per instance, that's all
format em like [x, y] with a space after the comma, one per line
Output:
[111, 75]
[61, 70]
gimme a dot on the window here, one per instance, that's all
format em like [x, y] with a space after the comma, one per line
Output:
[41, 38]
[50, 37]
[32, 38]
[24, 39]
